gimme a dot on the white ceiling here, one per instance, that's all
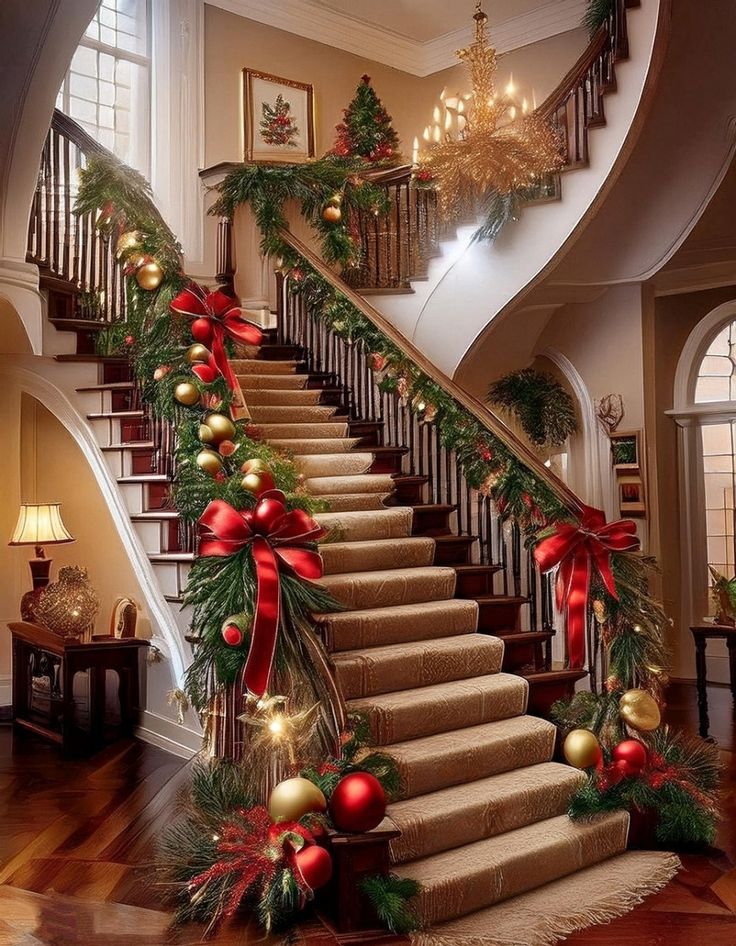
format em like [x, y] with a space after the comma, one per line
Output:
[425, 20]
[417, 36]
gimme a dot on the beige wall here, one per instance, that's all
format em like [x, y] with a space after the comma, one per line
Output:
[233, 42]
[45, 464]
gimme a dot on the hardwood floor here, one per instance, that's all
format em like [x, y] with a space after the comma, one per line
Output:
[76, 839]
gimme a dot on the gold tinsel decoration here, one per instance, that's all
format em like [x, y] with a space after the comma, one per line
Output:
[492, 157]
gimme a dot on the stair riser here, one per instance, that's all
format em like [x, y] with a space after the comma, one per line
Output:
[367, 433]
[102, 402]
[158, 535]
[113, 372]
[124, 462]
[432, 522]
[144, 497]
[453, 553]
[407, 493]
[172, 577]
[388, 463]
[476, 583]
[542, 694]
[495, 617]
[522, 656]
[110, 430]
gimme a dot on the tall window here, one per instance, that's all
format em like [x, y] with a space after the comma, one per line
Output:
[107, 89]
[714, 385]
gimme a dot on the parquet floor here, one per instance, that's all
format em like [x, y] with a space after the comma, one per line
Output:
[76, 839]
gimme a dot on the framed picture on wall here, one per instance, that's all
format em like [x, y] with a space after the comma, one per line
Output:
[626, 450]
[631, 496]
[278, 118]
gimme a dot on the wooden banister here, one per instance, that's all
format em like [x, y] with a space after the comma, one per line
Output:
[480, 411]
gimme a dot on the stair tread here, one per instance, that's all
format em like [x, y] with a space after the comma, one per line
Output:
[114, 415]
[154, 514]
[410, 714]
[171, 556]
[110, 386]
[130, 445]
[430, 763]
[144, 477]
[486, 807]
[496, 868]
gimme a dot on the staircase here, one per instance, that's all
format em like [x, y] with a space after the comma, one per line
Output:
[430, 655]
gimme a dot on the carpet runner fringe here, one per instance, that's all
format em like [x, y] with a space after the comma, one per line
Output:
[483, 807]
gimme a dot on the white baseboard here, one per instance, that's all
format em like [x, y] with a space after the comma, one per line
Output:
[168, 735]
[6, 691]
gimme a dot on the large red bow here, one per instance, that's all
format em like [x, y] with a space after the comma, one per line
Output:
[224, 315]
[576, 548]
[276, 534]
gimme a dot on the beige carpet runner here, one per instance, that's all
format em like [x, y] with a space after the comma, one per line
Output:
[483, 821]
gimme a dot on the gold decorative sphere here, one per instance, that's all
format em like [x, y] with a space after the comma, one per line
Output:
[126, 242]
[332, 214]
[197, 353]
[295, 797]
[186, 393]
[149, 276]
[254, 466]
[221, 426]
[209, 461]
[205, 434]
[581, 748]
[257, 482]
[640, 710]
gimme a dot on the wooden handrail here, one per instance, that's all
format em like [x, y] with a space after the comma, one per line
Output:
[480, 411]
[556, 99]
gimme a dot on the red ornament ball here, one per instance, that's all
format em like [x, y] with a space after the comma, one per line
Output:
[358, 803]
[232, 635]
[630, 756]
[129, 340]
[202, 331]
[314, 865]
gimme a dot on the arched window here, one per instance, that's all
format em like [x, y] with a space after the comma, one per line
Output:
[715, 384]
[107, 89]
[705, 412]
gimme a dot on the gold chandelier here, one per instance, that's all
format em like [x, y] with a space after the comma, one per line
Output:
[498, 150]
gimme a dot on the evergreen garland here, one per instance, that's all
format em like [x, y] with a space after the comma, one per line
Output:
[266, 188]
[390, 896]
[596, 14]
[542, 406]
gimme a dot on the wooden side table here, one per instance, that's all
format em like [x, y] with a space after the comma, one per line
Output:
[702, 633]
[60, 660]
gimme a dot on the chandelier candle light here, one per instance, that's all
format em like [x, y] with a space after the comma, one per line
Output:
[487, 143]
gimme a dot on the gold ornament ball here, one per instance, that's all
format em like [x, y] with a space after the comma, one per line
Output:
[581, 748]
[292, 799]
[254, 466]
[332, 214]
[639, 710]
[197, 353]
[257, 482]
[149, 276]
[221, 426]
[335, 200]
[126, 242]
[205, 434]
[186, 393]
[209, 461]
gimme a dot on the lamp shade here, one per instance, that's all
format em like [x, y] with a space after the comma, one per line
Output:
[40, 524]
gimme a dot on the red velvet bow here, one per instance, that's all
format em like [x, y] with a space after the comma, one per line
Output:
[276, 534]
[224, 316]
[576, 548]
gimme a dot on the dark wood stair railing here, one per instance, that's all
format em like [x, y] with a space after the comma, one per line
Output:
[515, 600]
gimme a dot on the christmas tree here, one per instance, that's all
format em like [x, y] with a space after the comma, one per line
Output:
[277, 125]
[366, 130]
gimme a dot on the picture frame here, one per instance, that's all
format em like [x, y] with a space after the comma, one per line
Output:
[631, 496]
[626, 450]
[278, 118]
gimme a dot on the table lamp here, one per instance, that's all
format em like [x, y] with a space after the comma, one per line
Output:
[38, 524]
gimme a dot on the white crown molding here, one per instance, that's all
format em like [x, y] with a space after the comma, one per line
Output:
[353, 35]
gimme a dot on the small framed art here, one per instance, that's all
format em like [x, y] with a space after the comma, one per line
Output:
[631, 497]
[626, 451]
[278, 118]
